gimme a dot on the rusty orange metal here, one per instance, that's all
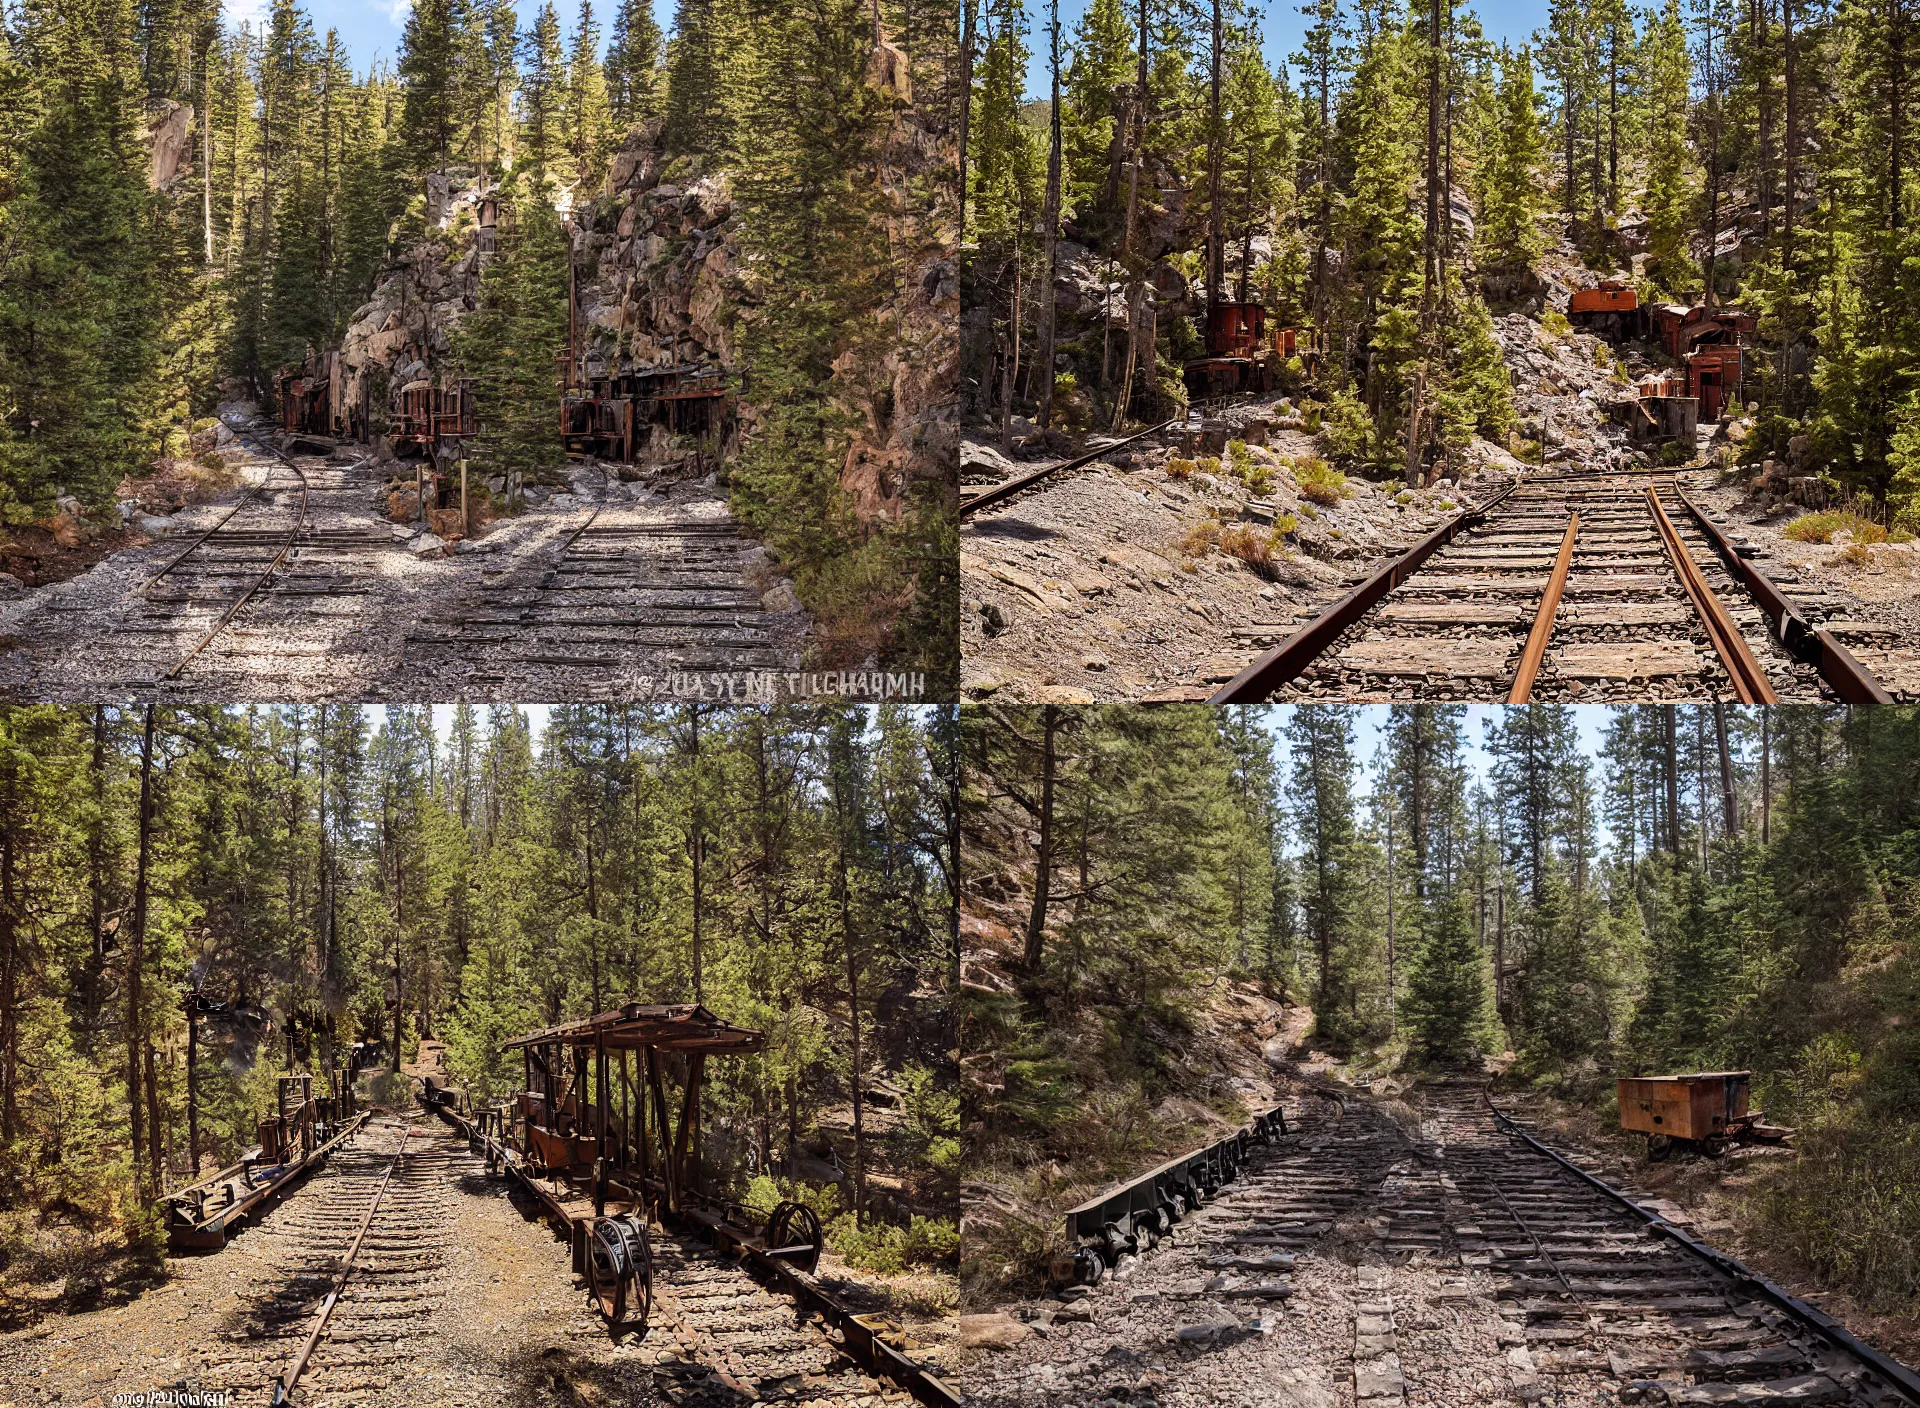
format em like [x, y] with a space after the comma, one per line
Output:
[1542, 631]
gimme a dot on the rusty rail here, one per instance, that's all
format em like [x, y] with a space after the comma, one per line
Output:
[1537, 638]
[1749, 680]
[1259, 680]
[1799, 637]
[293, 534]
[1829, 1329]
[283, 1387]
[986, 498]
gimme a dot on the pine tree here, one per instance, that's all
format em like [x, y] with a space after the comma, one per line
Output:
[633, 72]
[1669, 194]
[1450, 992]
[507, 345]
[543, 94]
[433, 51]
[587, 117]
[1509, 191]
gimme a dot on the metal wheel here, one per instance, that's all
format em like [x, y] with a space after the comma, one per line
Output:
[1714, 1145]
[1659, 1147]
[793, 1235]
[620, 1268]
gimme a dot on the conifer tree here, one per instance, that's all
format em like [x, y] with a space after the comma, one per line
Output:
[1509, 189]
[1668, 197]
[543, 94]
[633, 72]
[1450, 991]
[432, 64]
[507, 344]
[587, 117]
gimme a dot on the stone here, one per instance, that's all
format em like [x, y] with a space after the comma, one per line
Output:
[1809, 1389]
[781, 598]
[1094, 662]
[1079, 1313]
[1070, 1294]
[11, 583]
[995, 1331]
[428, 545]
[1204, 1333]
[152, 524]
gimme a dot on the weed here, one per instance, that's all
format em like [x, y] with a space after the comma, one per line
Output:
[1319, 481]
[1821, 527]
[1310, 511]
[1259, 479]
[1556, 324]
[1180, 469]
[1202, 538]
[1855, 555]
[1209, 465]
[1239, 458]
[1251, 546]
[1285, 524]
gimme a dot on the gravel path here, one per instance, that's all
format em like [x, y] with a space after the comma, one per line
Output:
[336, 620]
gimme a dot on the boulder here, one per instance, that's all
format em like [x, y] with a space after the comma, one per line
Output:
[11, 583]
[780, 599]
[152, 524]
[428, 545]
[994, 1331]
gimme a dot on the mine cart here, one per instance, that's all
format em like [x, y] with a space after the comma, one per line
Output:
[1611, 311]
[1133, 1216]
[1704, 1112]
[430, 418]
[294, 1141]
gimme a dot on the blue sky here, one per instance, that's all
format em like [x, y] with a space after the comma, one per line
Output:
[1281, 27]
[371, 29]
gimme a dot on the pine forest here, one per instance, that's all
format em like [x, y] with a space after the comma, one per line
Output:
[1165, 905]
[198, 900]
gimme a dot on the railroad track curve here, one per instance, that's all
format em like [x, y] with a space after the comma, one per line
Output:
[1583, 587]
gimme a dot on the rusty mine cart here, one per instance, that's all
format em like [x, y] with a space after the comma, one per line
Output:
[1704, 1112]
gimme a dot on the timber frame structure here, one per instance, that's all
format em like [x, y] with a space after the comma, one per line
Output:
[598, 1148]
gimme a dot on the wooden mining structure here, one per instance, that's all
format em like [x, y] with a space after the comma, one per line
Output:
[293, 1141]
[318, 403]
[1243, 355]
[605, 1137]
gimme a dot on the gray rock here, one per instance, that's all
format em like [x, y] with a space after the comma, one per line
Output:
[781, 598]
[995, 1331]
[11, 583]
[428, 545]
[1070, 1294]
[1205, 1333]
[153, 525]
[1079, 1313]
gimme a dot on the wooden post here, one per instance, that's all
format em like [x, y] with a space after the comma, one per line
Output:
[463, 497]
[665, 1127]
[600, 1102]
[193, 1093]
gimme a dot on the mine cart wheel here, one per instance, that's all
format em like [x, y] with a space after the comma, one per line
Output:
[1714, 1145]
[793, 1235]
[620, 1269]
[1146, 1230]
[1169, 1213]
[1659, 1147]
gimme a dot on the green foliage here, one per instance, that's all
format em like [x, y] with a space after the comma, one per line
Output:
[1450, 994]
[1346, 428]
[507, 344]
[1509, 179]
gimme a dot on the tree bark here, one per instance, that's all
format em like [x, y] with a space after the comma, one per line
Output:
[1043, 864]
[1728, 801]
[1052, 235]
[136, 950]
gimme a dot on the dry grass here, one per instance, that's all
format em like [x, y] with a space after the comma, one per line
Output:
[1180, 469]
[1822, 527]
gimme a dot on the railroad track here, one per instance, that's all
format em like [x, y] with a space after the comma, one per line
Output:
[1033, 481]
[1569, 588]
[265, 564]
[1591, 1298]
[625, 591]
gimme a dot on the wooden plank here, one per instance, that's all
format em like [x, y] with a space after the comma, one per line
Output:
[1856, 627]
[1457, 659]
[1643, 661]
[1617, 582]
[1453, 613]
[1462, 582]
[1628, 613]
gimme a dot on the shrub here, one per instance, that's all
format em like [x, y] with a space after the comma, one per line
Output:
[1855, 555]
[1259, 479]
[1820, 527]
[1676, 452]
[1239, 458]
[1209, 465]
[1319, 481]
[1250, 546]
[1180, 469]
[1347, 429]
[1202, 538]
[1556, 324]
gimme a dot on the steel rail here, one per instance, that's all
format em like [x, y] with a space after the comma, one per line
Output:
[1799, 637]
[1259, 680]
[284, 1385]
[1537, 638]
[986, 498]
[1749, 680]
[293, 534]
[1829, 1329]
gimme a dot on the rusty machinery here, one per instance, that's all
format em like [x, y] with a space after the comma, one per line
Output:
[293, 1141]
[317, 401]
[1130, 1218]
[611, 416]
[596, 1139]
[1243, 355]
[1705, 1111]
[1612, 310]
